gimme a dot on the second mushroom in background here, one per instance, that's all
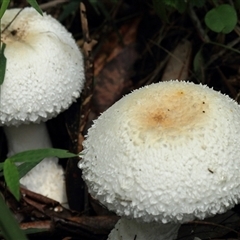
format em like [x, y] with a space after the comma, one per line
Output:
[164, 155]
[44, 75]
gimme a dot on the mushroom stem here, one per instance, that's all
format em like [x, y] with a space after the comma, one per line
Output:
[26, 137]
[130, 229]
[47, 178]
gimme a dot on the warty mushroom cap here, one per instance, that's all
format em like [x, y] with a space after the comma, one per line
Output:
[167, 152]
[44, 72]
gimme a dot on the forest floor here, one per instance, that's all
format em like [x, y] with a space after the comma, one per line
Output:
[131, 46]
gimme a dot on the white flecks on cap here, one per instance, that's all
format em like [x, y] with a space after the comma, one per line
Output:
[166, 152]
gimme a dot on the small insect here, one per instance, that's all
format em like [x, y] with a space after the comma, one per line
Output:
[211, 171]
[14, 32]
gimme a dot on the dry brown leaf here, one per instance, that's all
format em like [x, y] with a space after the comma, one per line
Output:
[113, 45]
[114, 67]
[114, 80]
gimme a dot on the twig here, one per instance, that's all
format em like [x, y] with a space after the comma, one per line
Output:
[37, 225]
[87, 93]
[212, 224]
[53, 3]
[86, 96]
[7, 26]
[232, 90]
[229, 46]
[198, 25]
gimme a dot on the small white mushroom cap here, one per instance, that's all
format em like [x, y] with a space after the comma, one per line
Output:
[44, 73]
[167, 152]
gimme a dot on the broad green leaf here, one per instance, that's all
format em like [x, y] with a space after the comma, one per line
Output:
[3, 63]
[221, 19]
[29, 160]
[38, 154]
[35, 156]
[8, 224]
[4, 6]
[35, 5]
[24, 168]
[11, 177]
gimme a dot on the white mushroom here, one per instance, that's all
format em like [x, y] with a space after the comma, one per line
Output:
[163, 155]
[44, 75]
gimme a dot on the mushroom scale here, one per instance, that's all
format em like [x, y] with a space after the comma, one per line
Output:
[168, 152]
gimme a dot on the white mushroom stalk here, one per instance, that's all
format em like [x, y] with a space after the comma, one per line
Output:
[44, 75]
[47, 178]
[131, 229]
[164, 155]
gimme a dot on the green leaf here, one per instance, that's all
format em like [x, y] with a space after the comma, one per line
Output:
[68, 9]
[11, 177]
[36, 230]
[1, 166]
[180, 6]
[29, 160]
[8, 224]
[198, 66]
[3, 63]
[35, 5]
[198, 61]
[39, 154]
[24, 168]
[4, 6]
[221, 19]
[197, 3]
[160, 8]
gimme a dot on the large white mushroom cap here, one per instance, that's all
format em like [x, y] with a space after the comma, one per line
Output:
[44, 72]
[166, 152]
